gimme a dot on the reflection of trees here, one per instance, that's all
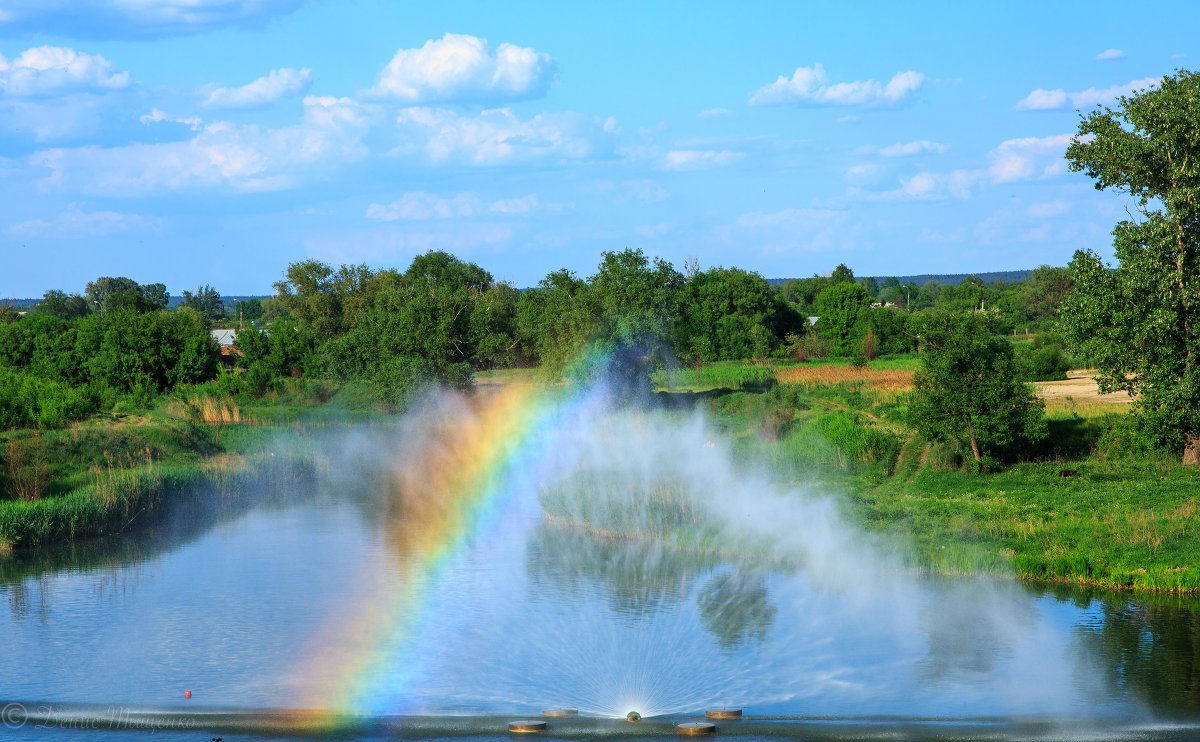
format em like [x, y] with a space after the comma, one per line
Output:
[639, 576]
[966, 631]
[183, 514]
[736, 607]
[1150, 650]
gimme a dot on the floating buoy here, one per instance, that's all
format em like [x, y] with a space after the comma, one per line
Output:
[633, 716]
[187, 694]
[725, 714]
[695, 728]
[526, 726]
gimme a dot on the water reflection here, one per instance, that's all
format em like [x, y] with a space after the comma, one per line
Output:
[736, 608]
[1149, 649]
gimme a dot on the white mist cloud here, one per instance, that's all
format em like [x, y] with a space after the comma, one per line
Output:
[811, 86]
[58, 70]
[461, 68]
[265, 90]
[1109, 55]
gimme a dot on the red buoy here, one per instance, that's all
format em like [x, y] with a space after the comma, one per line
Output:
[187, 694]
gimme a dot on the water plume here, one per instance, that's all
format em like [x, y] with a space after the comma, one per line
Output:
[561, 547]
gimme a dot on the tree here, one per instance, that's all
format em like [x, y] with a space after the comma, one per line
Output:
[729, 313]
[1140, 322]
[206, 302]
[967, 392]
[107, 294]
[62, 305]
[838, 307]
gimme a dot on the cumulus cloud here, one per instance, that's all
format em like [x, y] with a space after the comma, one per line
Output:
[1048, 209]
[699, 159]
[459, 68]
[909, 149]
[928, 186]
[1042, 99]
[498, 136]
[1110, 54]
[74, 223]
[422, 206]
[519, 206]
[58, 70]
[810, 86]
[417, 206]
[136, 18]
[220, 155]
[158, 116]
[263, 91]
[1028, 157]
[791, 230]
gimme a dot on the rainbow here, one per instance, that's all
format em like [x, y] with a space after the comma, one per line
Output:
[469, 463]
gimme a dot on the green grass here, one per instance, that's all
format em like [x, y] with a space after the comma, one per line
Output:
[1128, 520]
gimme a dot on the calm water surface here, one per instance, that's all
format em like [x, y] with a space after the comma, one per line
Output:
[242, 595]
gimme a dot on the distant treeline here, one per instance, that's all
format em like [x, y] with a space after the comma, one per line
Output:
[946, 279]
[121, 343]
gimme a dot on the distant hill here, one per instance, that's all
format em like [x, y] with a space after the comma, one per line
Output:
[949, 279]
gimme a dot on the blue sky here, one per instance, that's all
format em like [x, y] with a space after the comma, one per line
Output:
[213, 141]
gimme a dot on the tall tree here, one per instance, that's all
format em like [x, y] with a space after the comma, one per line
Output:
[967, 391]
[206, 302]
[1140, 322]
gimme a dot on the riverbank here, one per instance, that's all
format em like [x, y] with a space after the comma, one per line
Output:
[1095, 505]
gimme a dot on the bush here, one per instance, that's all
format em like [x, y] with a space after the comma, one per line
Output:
[1045, 363]
[31, 401]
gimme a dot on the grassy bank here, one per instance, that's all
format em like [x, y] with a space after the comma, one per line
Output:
[1123, 516]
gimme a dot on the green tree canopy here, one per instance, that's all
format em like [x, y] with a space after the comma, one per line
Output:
[839, 306]
[967, 392]
[1140, 322]
[729, 313]
[206, 302]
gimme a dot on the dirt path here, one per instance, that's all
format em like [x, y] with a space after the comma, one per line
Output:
[1081, 387]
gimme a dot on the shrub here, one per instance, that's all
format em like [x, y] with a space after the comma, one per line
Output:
[1045, 363]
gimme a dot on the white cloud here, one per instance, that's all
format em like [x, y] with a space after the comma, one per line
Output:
[422, 206]
[926, 186]
[221, 155]
[158, 116]
[1110, 54]
[58, 70]
[791, 230]
[1042, 99]
[810, 86]
[460, 68]
[498, 136]
[1029, 157]
[74, 223]
[716, 113]
[908, 149]
[136, 18]
[699, 159]
[1048, 209]
[263, 91]
[516, 206]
